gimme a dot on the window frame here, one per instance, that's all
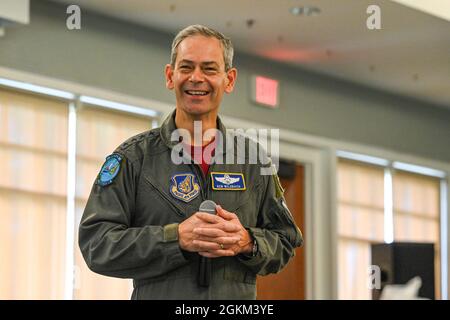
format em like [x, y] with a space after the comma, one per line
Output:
[390, 167]
[74, 102]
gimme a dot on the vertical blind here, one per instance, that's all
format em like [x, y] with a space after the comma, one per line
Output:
[33, 193]
[33, 157]
[360, 223]
[99, 133]
[361, 207]
[416, 213]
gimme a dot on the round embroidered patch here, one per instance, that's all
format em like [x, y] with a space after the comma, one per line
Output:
[109, 170]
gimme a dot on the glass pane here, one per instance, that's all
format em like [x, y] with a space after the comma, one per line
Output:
[360, 223]
[416, 213]
[360, 184]
[353, 261]
[99, 133]
[33, 152]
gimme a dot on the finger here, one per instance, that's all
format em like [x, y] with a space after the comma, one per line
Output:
[210, 218]
[229, 227]
[208, 254]
[226, 226]
[228, 240]
[210, 232]
[224, 213]
[206, 245]
[216, 232]
[217, 253]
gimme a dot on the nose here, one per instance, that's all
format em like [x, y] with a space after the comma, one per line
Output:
[196, 75]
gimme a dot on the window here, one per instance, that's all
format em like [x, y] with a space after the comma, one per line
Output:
[99, 133]
[360, 223]
[33, 154]
[35, 131]
[365, 202]
[416, 213]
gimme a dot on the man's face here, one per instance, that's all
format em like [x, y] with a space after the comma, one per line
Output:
[199, 78]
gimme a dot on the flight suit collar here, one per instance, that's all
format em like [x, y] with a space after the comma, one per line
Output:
[169, 126]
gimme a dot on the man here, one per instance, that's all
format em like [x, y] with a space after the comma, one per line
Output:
[142, 219]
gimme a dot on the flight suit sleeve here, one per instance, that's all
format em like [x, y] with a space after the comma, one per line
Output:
[276, 233]
[111, 246]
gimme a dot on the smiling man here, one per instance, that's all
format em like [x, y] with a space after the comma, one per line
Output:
[142, 219]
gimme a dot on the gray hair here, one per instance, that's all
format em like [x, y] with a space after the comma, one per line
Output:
[193, 30]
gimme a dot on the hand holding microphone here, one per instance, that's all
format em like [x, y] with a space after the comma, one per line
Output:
[205, 232]
[213, 236]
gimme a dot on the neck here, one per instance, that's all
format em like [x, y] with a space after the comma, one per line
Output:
[186, 121]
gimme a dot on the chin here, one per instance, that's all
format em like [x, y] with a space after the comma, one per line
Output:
[197, 109]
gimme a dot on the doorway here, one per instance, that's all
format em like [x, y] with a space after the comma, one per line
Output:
[289, 284]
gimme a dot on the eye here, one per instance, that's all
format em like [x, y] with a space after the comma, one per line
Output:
[210, 69]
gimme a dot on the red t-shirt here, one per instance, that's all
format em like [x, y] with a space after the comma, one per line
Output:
[202, 158]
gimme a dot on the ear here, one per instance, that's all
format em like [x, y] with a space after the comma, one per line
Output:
[231, 80]
[169, 74]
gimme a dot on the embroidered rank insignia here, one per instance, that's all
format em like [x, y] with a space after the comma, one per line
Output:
[279, 191]
[184, 187]
[109, 170]
[227, 181]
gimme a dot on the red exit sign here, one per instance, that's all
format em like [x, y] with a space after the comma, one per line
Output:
[265, 91]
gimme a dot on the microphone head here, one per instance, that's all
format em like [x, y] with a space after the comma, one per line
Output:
[208, 206]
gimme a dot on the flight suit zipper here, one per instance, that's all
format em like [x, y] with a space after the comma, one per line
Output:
[200, 178]
[208, 178]
[204, 181]
[175, 207]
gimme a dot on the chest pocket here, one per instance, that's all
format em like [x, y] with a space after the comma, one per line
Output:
[245, 203]
[156, 206]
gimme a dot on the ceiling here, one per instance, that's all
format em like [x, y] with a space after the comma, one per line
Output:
[409, 55]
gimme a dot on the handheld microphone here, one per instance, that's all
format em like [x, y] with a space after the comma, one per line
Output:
[204, 266]
[208, 206]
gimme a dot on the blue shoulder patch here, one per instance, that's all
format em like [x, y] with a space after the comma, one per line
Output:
[109, 170]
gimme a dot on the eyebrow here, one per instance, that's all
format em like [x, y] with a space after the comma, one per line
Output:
[203, 63]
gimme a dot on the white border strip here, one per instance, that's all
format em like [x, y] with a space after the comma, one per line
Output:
[388, 207]
[119, 106]
[418, 169]
[444, 223]
[70, 216]
[36, 89]
[362, 157]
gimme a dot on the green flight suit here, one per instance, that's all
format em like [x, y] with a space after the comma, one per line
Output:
[129, 228]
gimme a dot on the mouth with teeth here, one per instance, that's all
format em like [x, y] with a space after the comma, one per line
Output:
[196, 93]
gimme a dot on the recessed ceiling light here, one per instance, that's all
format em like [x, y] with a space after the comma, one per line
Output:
[307, 11]
[250, 23]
